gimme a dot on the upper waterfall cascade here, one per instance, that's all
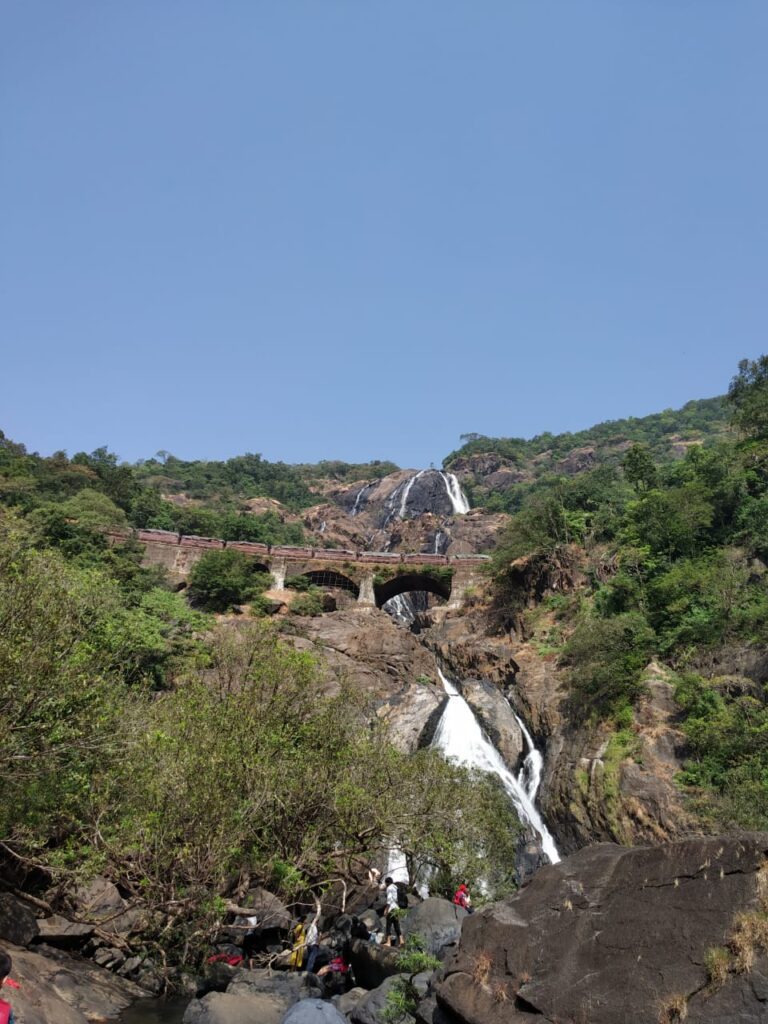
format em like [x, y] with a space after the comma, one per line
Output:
[459, 736]
[455, 493]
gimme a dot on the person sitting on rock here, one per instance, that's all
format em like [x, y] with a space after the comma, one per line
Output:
[392, 913]
[6, 1010]
[462, 898]
[336, 975]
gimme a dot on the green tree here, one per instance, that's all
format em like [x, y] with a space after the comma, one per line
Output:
[223, 578]
[748, 394]
[639, 468]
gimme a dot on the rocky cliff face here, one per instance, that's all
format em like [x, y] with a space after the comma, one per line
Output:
[409, 510]
[655, 934]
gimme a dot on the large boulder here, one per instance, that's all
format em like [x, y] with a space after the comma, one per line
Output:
[289, 986]
[17, 922]
[438, 921]
[615, 934]
[371, 963]
[58, 931]
[100, 902]
[371, 1009]
[55, 987]
[313, 1011]
[231, 1008]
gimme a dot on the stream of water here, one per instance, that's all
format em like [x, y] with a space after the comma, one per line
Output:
[460, 738]
[155, 1011]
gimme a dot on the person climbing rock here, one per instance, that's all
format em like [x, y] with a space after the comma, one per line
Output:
[392, 913]
[6, 1010]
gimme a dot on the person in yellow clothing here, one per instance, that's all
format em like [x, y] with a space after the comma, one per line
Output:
[299, 937]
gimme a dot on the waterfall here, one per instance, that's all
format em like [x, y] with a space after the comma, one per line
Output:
[460, 738]
[401, 609]
[458, 497]
[533, 764]
[439, 535]
[406, 491]
[358, 497]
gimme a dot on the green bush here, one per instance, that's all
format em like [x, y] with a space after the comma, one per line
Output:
[223, 578]
[606, 658]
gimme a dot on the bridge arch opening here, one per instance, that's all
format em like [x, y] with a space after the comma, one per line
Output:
[327, 579]
[411, 581]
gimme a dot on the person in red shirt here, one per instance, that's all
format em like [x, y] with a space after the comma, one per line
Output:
[462, 898]
[6, 1010]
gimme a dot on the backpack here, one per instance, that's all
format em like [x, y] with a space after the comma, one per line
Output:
[402, 895]
[5, 1011]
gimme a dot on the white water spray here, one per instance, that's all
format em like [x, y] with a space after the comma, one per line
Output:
[533, 764]
[458, 498]
[460, 737]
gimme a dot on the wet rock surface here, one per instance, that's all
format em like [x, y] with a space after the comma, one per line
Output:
[613, 934]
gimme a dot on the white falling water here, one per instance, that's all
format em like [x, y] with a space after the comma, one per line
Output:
[439, 535]
[358, 497]
[460, 738]
[406, 491]
[458, 498]
[533, 764]
[401, 609]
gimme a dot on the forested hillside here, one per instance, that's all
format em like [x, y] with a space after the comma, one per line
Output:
[676, 567]
[499, 471]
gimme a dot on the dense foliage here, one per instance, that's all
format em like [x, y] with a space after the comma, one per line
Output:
[95, 492]
[141, 740]
[542, 458]
[675, 555]
[251, 476]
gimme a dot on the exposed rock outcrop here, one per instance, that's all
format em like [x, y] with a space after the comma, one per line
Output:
[383, 661]
[614, 934]
[57, 988]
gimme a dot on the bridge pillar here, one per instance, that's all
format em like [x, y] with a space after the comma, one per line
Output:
[278, 568]
[367, 597]
[461, 583]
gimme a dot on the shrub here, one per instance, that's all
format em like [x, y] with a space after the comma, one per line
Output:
[225, 578]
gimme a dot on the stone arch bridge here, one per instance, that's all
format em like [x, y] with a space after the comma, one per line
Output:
[372, 576]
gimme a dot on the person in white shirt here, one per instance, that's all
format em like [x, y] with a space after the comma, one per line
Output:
[312, 944]
[392, 913]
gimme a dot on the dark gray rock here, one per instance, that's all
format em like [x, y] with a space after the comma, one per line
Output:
[227, 1008]
[58, 931]
[313, 1011]
[17, 922]
[290, 986]
[438, 921]
[371, 964]
[346, 1002]
[101, 903]
[613, 934]
[370, 1009]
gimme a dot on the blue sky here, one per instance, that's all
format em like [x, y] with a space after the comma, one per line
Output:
[356, 229]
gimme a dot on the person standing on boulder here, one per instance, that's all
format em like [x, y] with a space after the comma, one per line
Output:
[6, 1010]
[392, 913]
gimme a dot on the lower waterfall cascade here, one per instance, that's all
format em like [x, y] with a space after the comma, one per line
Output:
[460, 738]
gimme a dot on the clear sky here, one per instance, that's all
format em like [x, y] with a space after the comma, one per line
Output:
[358, 228]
